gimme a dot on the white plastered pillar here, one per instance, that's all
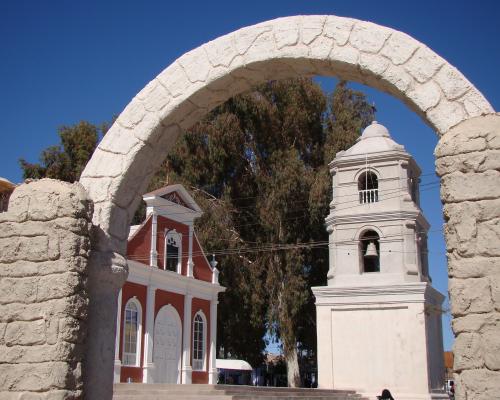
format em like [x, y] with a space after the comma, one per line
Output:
[324, 344]
[147, 363]
[190, 263]
[118, 363]
[153, 254]
[187, 370]
[212, 368]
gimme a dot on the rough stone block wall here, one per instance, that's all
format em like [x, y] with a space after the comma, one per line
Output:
[44, 249]
[468, 162]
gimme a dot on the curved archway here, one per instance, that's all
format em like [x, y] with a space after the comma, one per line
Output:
[203, 78]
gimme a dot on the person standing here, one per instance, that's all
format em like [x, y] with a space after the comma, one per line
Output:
[386, 395]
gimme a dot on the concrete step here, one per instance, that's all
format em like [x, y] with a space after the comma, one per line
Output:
[138, 391]
[230, 397]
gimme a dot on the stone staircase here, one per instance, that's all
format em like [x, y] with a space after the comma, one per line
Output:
[139, 391]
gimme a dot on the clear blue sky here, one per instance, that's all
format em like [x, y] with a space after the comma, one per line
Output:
[65, 61]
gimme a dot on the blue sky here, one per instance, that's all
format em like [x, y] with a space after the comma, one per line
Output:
[66, 61]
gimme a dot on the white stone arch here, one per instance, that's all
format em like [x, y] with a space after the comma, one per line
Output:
[383, 58]
[205, 77]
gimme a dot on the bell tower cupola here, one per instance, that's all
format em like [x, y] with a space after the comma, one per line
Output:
[378, 234]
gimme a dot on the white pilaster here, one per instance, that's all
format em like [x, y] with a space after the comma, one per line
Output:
[186, 342]
[190, 264]
[147, 364]
[215, 276]
[410, 248]
[331, 253]
[212, 369]
[118, 363]
[153, 254]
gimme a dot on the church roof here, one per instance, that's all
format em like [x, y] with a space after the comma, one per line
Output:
[375, 139]
[174, 194]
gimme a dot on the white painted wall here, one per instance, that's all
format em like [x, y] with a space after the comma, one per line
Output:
[379, 337]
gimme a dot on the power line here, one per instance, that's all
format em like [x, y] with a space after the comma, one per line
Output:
[283, 246]
[345, 195]
[428, 186]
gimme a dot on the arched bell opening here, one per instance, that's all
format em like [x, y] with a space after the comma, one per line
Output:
[368, 187]
[370, 252]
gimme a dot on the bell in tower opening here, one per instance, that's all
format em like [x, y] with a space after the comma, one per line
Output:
[379, 318]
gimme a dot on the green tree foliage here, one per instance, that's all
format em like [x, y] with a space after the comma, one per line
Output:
[67, 160]
[263, 158]
[258, 167]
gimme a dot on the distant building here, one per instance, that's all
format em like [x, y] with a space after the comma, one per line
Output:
[167, 319]
[448, 365]
[379, 318]
[6, 189]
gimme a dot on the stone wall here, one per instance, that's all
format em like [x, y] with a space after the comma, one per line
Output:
[44, 248]
[468, 162]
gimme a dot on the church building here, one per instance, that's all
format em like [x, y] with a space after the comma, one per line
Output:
[379, 318]
[167, 320]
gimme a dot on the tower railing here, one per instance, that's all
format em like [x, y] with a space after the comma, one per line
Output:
[368, 196]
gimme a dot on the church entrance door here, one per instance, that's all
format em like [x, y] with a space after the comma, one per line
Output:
[167, 345]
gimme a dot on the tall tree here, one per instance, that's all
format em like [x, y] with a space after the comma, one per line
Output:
[258, 166]
[67, 160]
[266, 153]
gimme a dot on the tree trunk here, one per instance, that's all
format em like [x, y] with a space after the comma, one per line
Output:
[292, 368]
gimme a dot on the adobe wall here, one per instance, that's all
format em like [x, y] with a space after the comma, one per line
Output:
[468, 162]
[44, 248]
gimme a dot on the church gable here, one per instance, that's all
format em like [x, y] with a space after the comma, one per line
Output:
[170, 197]
[166, 239]
[174, 197]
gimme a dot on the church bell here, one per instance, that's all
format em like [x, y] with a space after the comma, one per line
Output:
[371, 250]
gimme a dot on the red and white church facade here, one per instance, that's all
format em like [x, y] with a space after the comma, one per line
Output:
[167, 320]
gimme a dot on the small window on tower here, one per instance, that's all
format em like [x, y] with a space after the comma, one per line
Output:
[368, 187]
[370, 251]
[172, 251]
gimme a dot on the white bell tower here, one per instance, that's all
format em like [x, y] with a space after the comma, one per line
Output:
[379, 318]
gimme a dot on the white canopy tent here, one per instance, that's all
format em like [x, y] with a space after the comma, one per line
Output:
[240, 365]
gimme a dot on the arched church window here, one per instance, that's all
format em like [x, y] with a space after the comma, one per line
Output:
[370, 251]
[199, 341]
[368, 187]
[132, 333]
[172, 259]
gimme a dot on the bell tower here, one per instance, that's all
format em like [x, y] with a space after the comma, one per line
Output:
[378, 234]
[379, 318]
